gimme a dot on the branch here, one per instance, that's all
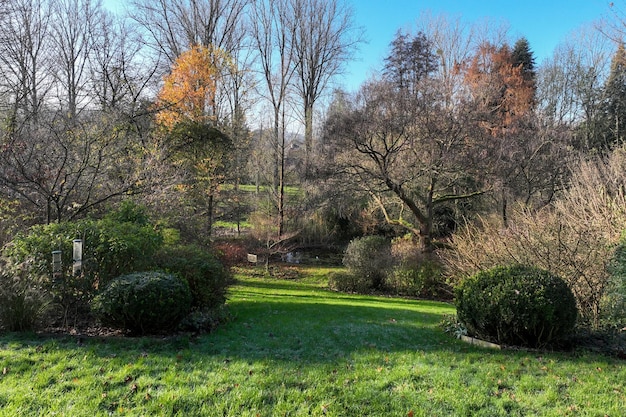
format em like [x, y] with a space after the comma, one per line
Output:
[454, 197]
[395, 222]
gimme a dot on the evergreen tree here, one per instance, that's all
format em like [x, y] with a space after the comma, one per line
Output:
[614, 114]
[410, 59]
[522, 55]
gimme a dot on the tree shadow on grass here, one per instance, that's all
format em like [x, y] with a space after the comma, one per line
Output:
[291, 321]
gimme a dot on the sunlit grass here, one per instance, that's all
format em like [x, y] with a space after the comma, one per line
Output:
[296, 349]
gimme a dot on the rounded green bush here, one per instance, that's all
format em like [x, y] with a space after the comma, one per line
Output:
[143, 302]
[369, 258]
[516, 305]
[205, 274]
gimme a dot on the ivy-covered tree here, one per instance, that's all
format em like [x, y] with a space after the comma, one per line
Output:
[614, 114]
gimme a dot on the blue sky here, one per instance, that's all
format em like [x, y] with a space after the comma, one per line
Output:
[545, 23]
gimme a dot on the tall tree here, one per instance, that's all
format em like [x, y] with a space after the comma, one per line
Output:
[499, 88]
[503, 93]
[615, 101]
[119, 73]
[172, 26]
[410, 60]
[324, 38]
[25, 46]
[523, 55]
[189, 91]
[412, 154]
[570, 85]
[273, 37]
[73, 27]
[187, 113]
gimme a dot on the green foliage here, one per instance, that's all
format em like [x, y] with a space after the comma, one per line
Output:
[143, 302]
[23, 301]
[129, 212]
[313, 353]
[423, 279]
[414, 274]
[205, 274]
[347, 281]
[368, 258]
[122, 242]
[450, 324]
[516, 305]
[205, 321]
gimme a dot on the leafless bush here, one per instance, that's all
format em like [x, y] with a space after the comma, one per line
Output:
[574, 237]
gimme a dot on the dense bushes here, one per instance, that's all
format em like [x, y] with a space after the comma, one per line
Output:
[23, 300]
[143, 302]
[398, 267]
[120, 243]
[367, 260]
[516, 305]
[205, 274]
[123, 242]
[573, 237]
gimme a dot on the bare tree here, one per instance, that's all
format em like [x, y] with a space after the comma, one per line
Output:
[72, 29]
[569, 87]
[119, 73]
[272, 35]
[409, 156]
[174, 25]
[24, 58]
[324, 39]
[63, 169]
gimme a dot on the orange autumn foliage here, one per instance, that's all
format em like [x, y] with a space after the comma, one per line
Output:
[500, 89]
[188, 92]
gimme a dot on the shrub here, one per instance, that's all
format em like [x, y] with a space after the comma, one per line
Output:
[614, 300]
[205, 274]
[573, 237]
[348, 281]
[369, 258]
[414, 273]
[143, 302]
[516, 305]
[112, 246]
[23, 301]
[205, 321]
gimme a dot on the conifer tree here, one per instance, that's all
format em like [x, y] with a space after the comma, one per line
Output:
[523, 55]
[614, 114]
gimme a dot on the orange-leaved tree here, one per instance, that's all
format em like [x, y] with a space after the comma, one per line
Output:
[499, 87]
[189, 91]
[188, 117]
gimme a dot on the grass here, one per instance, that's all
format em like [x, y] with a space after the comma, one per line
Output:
[296, 349]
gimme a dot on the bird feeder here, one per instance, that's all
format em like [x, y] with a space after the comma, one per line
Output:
[56, 263]
[77, 256]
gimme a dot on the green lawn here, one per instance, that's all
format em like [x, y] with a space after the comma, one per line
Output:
[295, 349]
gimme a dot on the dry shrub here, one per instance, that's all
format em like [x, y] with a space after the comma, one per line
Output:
[575, 237]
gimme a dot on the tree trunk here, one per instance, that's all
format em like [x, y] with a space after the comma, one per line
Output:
[308, 138]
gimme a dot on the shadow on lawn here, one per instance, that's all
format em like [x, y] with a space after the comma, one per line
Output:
[292, 322]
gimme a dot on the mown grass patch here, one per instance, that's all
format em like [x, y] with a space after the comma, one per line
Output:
[296, 349]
